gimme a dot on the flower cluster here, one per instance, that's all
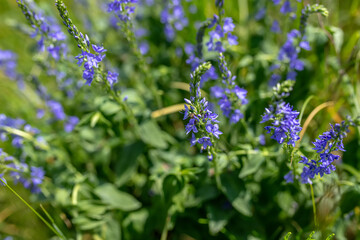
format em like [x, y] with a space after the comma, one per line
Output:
[174, 19]
[9, 127]
[91, 61]
[285, 126]
[230, 96]
[8, 64]
[202, 121]
[122, 8]
[285, 7]
[296, 40]
[195, 61]
[289, 56]
[29, 177]
[49, 32]
[222, 32]
[327, 142]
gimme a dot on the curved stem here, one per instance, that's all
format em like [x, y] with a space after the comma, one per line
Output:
[312, 115]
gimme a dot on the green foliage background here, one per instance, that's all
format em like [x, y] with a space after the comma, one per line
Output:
[104, 183]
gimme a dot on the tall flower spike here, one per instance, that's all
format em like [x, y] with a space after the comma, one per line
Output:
[327, 143]
[91, 60]
[82, 40]
[288, 55]
[51, 37]
[231, 96]
[202, 121]
[174, 19]
[122, 8]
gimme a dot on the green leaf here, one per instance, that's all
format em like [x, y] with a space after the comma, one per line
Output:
[251, 164]
[152, 135]
[137, 220]
[338, 37]
[110, 108]
[218, 218]
[94, 119]
[111, 229]
[85, 223]
[127, 162]
[111, 196]
[91, 209]
[235, 191]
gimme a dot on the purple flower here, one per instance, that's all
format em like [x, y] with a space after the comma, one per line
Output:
[213, 129]
[262, 139]
[284, 124]
[174, 19]
[260, 14]
[230, 95]
[122, 9]
[144, 47]
[91, 61]
[98, 49]
[112, 78]
[56, 109]
[276, 2]
[202, 121]
[205, 142]
[222, 31]
[70, 124]
[275, 27]
[286, 7]
[305, 45]
[289, 177]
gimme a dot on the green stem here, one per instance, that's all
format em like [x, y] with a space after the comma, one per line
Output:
[314, 205]
[216, 169]
[164, 232]
[304, 106]
[32, 209]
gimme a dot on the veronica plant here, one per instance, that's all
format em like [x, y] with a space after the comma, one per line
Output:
[231, 96]
[284, 125]
[174, 19]
[50, 35]
[8, 64]
[18, 131]
[324, 159]
[202, 121]
[288, 57]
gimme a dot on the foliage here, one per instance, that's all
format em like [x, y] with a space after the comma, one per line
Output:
[151, 119]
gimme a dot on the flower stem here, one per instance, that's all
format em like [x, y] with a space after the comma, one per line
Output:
[164, 232]
[34, 211]
[314, 205]
[216, 169]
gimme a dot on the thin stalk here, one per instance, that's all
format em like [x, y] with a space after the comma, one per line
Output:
[314, 205]
[216, 170]
[33, 210]
[52, 221]
[164, 232]
[304, 106]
